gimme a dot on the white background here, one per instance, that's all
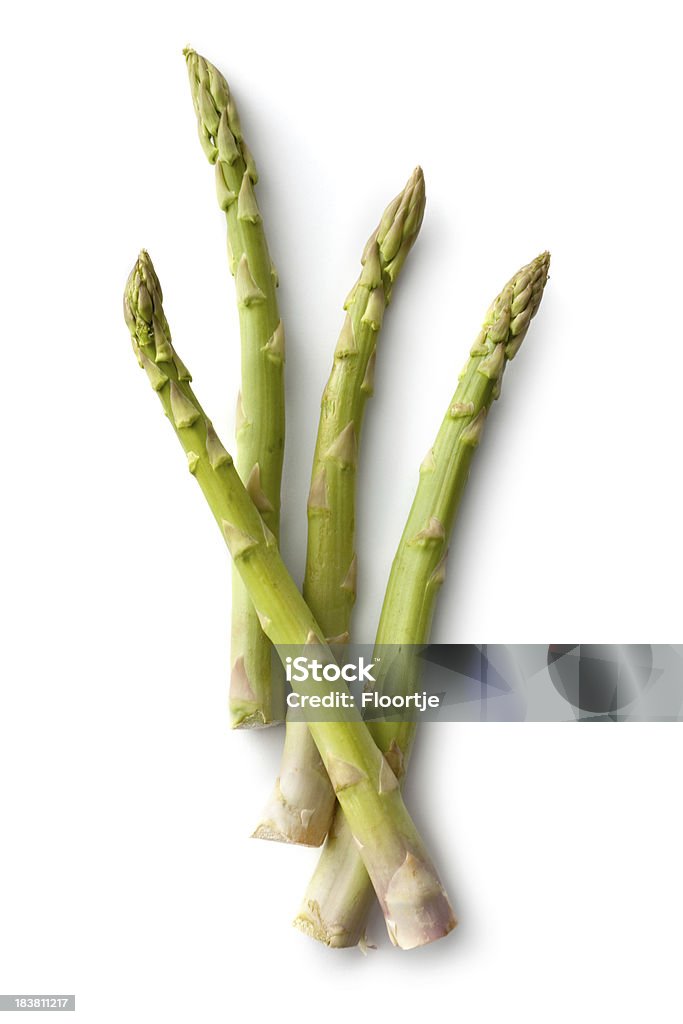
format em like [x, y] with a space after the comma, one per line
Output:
[126, 874]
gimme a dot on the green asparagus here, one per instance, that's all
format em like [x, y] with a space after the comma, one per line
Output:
[413, 900]
[256, 690]
[302, 804]
[339, 895]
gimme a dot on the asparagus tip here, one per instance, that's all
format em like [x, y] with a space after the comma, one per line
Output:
[143, 311]
[400, 224]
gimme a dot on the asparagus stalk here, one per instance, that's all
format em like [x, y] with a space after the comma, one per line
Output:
[414, 902]
[339, 895]
[301, 807]
[256, 691]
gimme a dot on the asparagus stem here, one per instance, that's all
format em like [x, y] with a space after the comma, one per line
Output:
[414, 902]
[339, 895]
[256, 689]
[301, 806]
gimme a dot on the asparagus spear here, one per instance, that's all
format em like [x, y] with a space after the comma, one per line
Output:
[339, 895]
[302, 804]
[414, 902]
[256, 691]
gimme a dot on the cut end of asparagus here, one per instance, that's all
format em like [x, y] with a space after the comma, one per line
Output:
[295, 835]
[250, 717]
[311, 923]
[246, 712]
[286, 821]
[417, 908]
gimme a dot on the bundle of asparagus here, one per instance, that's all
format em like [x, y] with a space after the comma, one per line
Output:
[339, 778]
